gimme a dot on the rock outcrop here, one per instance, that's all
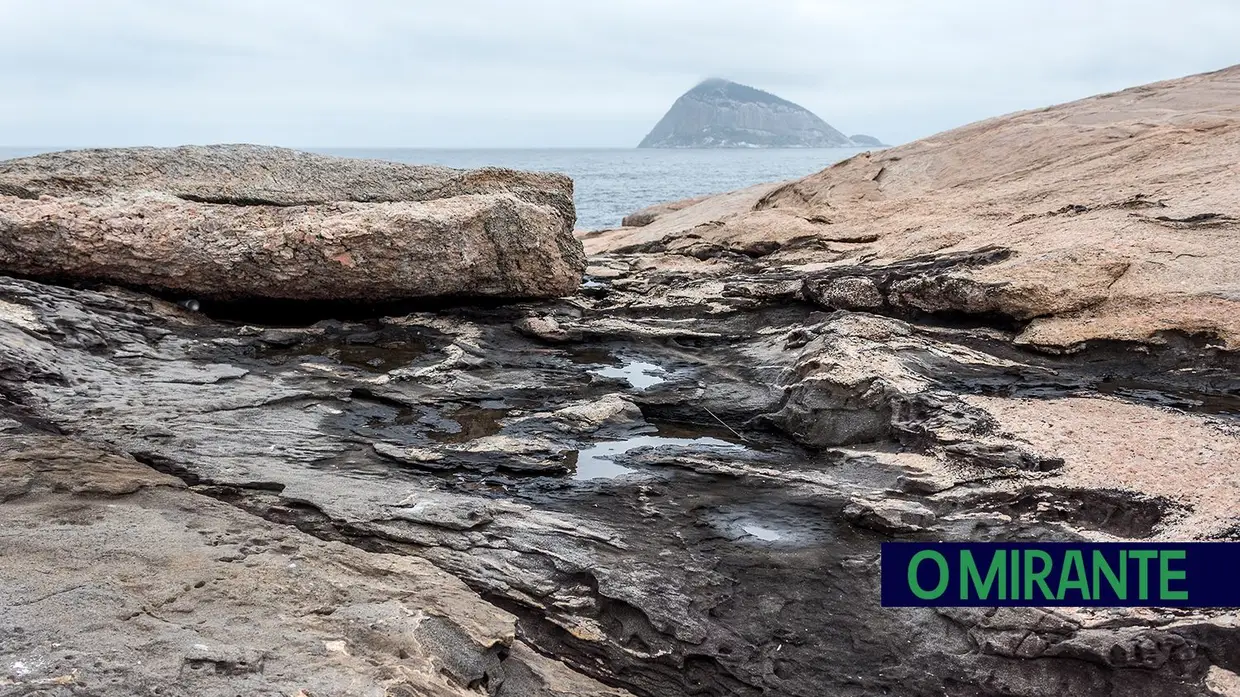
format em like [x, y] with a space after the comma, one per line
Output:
[1111, 218]
[649, 214]
[675, 482]
[866, 141]
[237, 222]
[722, 114]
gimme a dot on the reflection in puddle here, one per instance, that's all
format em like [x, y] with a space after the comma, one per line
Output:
[592, 356]
[595, 462]
[673, 429]
[639, 374]
[471, 423]
[406, 416]
[373, 357]
[762, 533]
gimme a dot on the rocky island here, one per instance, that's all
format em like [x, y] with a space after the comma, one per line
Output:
[673, 479]
[723, 114]
[866, 141]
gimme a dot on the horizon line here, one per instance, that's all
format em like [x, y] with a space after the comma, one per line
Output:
[408, 147]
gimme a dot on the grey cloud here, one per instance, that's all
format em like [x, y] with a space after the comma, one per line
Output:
[562, 72]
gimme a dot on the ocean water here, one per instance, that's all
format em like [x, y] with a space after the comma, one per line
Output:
[611, 183]
[608, 184]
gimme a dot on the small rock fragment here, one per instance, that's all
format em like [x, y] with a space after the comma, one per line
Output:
[545, 329]
[888, 515]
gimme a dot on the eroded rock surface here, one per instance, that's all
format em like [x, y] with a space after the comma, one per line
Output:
[659, 529]
[674, 482]
[119, 581]
[237, 221]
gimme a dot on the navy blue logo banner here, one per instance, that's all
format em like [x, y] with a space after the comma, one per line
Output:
[1061, 574]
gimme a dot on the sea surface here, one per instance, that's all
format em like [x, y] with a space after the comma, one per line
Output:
[611, 183]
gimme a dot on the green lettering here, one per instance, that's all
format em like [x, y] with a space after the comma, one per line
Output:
[1037, 577]
[1119, 584]
[912, 574]
[1015, 574]
[1073, 561]
[1166, 574]
[1143, 571]
[997, 571]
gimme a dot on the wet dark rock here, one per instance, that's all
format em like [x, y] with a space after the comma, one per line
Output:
[1002, 455]
[710, 567]
[1118, 513]
[187, 595]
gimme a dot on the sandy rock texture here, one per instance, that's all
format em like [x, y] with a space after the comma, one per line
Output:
[1112, 218]
[649, 214]
[242, 221]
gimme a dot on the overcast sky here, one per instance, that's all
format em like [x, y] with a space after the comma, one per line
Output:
[552, 73]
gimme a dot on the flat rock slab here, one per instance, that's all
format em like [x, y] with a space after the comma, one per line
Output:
[231, 222]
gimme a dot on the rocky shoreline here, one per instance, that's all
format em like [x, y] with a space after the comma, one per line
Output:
[676, 480]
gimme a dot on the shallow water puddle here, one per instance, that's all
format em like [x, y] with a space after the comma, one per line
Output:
[591, 356]
[472, 423]
[639, 374]
[762, 533]
[369, 357]
[596, 462]
[683, 430]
